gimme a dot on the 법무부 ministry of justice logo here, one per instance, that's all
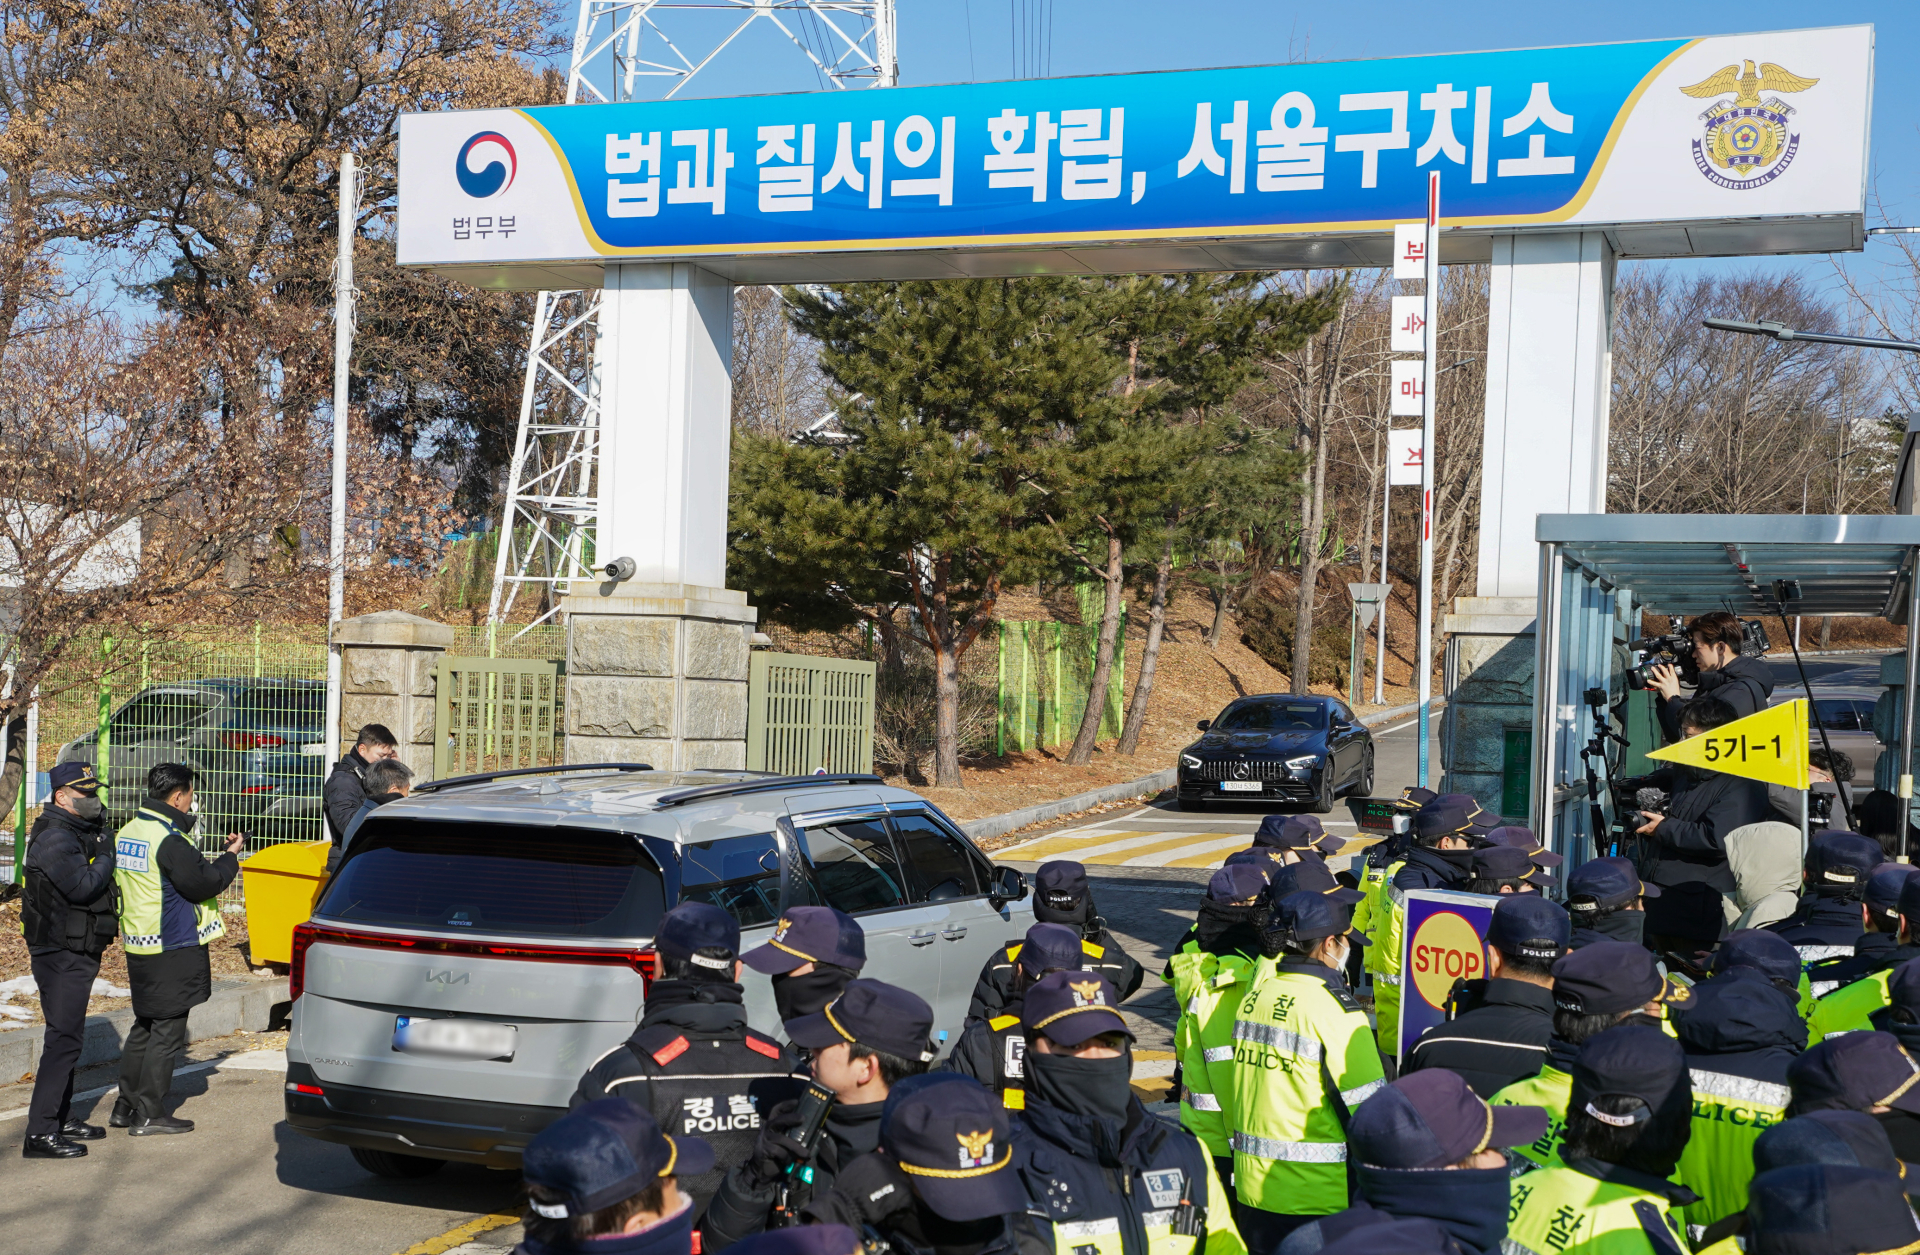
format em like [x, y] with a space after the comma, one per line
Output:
[1747, 143]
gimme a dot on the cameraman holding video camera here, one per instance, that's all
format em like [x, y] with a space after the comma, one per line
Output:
[1742, 683]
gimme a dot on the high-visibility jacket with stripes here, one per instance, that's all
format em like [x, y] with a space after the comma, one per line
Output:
[1846, 1010]
[1208, 988]
[1564, 1211]
[1385, 922]
[1550, 1089]
[1729, 1115]
[1302, 1061]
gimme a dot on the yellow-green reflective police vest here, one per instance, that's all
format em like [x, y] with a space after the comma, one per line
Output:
[136, 851]
[1729, 1114]
[1387, 919]
[1550, 1089]
[1558, 1211]
[1302, 1061]
[1846, 1010]
[1208, 988]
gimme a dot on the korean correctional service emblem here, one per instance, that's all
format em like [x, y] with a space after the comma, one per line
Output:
[1747, 143]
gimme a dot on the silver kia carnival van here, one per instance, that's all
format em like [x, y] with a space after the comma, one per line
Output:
[488, 938]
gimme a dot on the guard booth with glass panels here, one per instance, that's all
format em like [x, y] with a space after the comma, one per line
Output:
[1602, 574]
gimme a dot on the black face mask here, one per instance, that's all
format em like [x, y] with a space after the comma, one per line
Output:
[1222, 929]
[795, 996]
[1469, 1203]
[89, 808]
[926, 1228]
[1086, 1087]
[1623, 926]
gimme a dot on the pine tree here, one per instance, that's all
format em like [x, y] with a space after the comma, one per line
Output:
[961, 401]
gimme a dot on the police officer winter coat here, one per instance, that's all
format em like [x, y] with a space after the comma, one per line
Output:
[693, 1062]
[1740, 1033]
[1061, 896]
[992, 1051]
[67, 903]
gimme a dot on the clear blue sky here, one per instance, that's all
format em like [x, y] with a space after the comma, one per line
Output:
[946, 41]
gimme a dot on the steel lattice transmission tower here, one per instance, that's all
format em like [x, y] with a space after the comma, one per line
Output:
[552, 489]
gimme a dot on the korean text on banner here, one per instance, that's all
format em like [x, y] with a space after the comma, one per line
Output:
[1769, 745]
[1403, 457]
[1409, 262]
[1444, 942]
[1408, 389]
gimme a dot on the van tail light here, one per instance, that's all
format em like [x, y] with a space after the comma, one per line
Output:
[294, 1087]
[644, 961]
[303, 935]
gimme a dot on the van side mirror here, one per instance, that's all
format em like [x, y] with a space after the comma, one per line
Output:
[1009, 885]
[1204, 724]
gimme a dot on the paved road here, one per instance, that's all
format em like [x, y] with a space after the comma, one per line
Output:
[1149, 866]
[242, 1183]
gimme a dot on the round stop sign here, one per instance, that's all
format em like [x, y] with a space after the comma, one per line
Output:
[1444, 949]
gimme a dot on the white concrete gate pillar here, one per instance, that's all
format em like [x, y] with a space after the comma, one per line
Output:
[1549, 372]
[657, 663]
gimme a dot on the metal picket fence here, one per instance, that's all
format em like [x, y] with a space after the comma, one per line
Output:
[1045, 672]
[808, 713]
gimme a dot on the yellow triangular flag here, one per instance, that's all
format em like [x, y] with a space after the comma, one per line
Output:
[1770, 745]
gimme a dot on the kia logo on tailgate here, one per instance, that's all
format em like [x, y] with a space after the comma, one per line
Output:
[448, 977]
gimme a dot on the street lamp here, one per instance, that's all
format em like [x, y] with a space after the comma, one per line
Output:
[1780, 331]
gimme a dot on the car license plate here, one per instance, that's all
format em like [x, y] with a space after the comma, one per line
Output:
[451, 1038]
[1240, 786]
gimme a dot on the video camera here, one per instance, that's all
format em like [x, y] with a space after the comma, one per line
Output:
[1675, 649]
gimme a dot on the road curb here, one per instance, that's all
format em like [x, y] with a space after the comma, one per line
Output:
[1145, 786]
[237, 1003]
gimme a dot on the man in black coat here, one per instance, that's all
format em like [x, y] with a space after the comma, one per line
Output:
[692, 1062]
[67, 915]
[1499, 1031]
[1690, 837]
[345, 788]
[386, 780]
[1744, 684]
[1608, 902]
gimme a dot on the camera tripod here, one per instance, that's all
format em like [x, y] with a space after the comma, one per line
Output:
[1596, 748]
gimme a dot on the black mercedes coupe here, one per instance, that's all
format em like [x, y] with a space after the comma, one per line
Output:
[1272, 747]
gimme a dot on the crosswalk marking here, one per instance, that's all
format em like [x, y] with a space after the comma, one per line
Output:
[1110, 847]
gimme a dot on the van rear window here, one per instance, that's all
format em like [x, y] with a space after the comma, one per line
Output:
[497, 878]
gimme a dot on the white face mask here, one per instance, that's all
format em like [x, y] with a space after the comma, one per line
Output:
[1346, 952]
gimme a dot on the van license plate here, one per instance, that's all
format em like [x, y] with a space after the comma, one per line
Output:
[1240, 786]
[457, 1039]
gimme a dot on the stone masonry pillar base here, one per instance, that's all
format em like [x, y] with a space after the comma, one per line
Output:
[387, 665]
[657, 673]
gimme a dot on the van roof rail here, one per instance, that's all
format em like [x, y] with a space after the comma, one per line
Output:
[483, 777]
[701, 794]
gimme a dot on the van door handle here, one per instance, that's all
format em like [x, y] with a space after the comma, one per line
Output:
[954, 932]
[922, 939]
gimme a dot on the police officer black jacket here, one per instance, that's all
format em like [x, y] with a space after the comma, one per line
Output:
[69, 898]
[1497, 1035]
[993, 993]
[746, 1199]
[696, 1066]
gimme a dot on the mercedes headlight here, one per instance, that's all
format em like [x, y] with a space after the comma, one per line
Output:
[1190, 762]
[1308, 763]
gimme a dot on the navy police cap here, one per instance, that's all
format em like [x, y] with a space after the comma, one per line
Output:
[1768, 953]
[1236, 882]
[1433, 1119]
[1530, 926]
[1822, 1209]
[954, 1141]
[695, 926]
[1050, 948]
[1313, 877]
[1071, 1007]
[603, 1152]
[1854, 1072]
[810, 934]
[873, 1014]
[1605, 884]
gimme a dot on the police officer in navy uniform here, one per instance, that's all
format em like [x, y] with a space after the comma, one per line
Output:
[942, 1177]
[1095, 1163]
[67, 914]
[870, 1038]
[993, 1051]
[693, 1062]
[606, 1178]
[1874, 949]
[813, 953]
[1061, 896]
[1827, 921]
[1283, 840]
